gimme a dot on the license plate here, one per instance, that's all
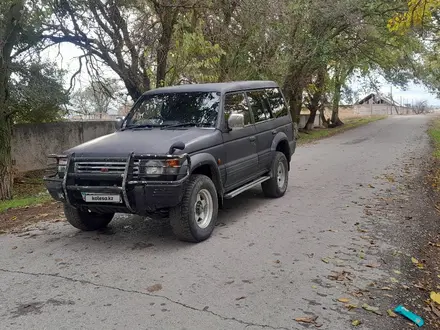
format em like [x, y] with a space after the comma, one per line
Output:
[101, 198]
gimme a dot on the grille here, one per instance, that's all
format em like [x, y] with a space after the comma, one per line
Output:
[105, 167]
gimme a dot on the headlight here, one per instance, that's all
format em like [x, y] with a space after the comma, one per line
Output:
[62, 162]
[154, 168]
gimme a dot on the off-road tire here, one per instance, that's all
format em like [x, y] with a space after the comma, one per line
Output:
[271, 187]
[182, 217]
[87, 221]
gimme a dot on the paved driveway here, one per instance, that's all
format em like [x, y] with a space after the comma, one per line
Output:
[267, 263]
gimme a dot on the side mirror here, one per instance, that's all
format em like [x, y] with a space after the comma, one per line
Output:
[236, 121]
[119, 122]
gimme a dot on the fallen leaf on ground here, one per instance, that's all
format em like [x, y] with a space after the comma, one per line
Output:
[388, 295]
[397, 271]
[406, 287]
[373, 265]
[414, 260]
[386, 288]
[358, 294]
[435, 310]
[325, 260]
[240, 298]
[277, 261]
[154, 288]
[371, 186]
[435, 297]
[344, 300]
[394, 280]
[14, 218]
[434, 244]
[339, 276]
[391, 313]
[419, 286]
[371, 309]
[351, 306]
[356, 323]
[306, 319]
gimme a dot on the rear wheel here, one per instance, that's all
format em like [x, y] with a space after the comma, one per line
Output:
[87, 221]
[277, 185]
[194, 219]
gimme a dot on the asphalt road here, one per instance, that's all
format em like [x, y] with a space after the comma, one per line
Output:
[266, 264]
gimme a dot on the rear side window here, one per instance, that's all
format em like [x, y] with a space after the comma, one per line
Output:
[259, 105]
[236, 103]
[276, 102]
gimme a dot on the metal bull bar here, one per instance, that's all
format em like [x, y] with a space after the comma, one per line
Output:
[127, 176]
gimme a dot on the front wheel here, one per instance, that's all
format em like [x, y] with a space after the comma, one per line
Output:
[87, 221]
[276, 186]
[193, 220]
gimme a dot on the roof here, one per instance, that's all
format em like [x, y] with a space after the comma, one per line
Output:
[378, 96]
[214, 87]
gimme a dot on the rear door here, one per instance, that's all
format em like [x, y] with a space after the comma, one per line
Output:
[264, 125]
[240, 144]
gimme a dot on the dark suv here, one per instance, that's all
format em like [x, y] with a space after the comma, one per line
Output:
[180, 152]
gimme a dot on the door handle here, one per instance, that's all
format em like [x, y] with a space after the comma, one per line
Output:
[252, 139]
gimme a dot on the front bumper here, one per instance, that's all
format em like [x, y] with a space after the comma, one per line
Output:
[137, 196]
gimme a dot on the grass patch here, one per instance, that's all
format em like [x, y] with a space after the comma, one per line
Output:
[28, 190]
[434, 133]
[321, 133]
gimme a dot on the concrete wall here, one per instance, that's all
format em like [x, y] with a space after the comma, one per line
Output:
[304, 117]
[379, 109]
[31, 143]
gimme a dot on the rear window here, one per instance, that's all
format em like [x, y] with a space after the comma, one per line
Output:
[276, 102]
[259, 105]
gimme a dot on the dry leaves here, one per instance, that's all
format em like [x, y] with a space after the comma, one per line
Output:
[309, 320]
[154, 288]
[371, 309]
[372, 265]
[356, 323]
[434, 244]
[435, 297]
[344, 300]
[339, 276]
[391, 313]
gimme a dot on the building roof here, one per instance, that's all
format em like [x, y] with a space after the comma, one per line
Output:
[214, 87]
[378, 97]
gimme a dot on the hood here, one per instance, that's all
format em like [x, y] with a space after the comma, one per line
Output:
[154, 141]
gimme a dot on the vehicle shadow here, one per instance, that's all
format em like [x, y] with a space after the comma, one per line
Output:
[138, 233]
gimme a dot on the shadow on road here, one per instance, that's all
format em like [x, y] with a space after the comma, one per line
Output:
[130, 232]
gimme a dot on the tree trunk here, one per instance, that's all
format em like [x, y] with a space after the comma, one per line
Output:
[335, 108]
[6, 176]
[311, 121]
[168, 18]
[10, 38]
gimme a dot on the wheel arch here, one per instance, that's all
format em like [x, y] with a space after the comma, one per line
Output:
[281, 143]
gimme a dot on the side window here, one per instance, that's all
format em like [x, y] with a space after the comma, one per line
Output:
[236, 103]
[259, 105]
[276, 101]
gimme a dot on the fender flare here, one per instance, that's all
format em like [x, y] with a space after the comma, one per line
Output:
[202, 159]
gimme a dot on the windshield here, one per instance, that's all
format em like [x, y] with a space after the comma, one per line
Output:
[196, 108]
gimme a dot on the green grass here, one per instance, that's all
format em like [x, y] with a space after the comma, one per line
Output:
[23, 202]
[321, 133]
[434, 133]
[28, 190]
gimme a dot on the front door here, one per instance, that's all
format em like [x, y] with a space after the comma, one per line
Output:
[240, 144]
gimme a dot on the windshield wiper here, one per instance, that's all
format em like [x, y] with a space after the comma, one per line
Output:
[189, 123]
[142, 126]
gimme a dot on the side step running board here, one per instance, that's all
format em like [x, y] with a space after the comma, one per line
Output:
[246, 187]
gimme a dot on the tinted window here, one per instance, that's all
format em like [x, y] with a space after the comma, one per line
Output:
[236, 103]
[259, 105]
[199, 108]
[276, 101]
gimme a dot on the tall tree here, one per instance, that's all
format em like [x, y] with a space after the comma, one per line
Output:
[11, 15]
